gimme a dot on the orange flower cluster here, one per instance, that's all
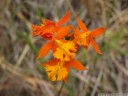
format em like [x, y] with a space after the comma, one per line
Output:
[64, 50]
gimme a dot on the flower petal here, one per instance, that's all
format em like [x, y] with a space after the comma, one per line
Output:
[95, 46]
[45, 21]
[36, 30]
[66, 65]
[82, 25]
[47, 36]
[97, 32]
[63, 32]
[54, 46]
[62, 73]
[64, 19]
[76, 30]
[52, 62]
[77, 65]
[44, 49]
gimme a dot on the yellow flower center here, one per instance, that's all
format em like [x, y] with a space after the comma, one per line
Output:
[85, 35]
[82, 38]
[42, 25]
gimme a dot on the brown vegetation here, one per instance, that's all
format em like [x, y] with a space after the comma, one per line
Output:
[20, 73]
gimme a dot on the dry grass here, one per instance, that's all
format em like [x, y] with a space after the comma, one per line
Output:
[20, 72]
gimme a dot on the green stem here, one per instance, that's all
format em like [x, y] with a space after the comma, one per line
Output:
[62, 86]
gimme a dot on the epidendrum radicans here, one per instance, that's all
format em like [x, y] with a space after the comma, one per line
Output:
[64, 50]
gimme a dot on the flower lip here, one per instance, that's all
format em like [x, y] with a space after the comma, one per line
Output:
[56, 72]
[65, 50]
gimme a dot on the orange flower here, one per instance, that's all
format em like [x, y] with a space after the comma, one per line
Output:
[85, 37]
[48, 27]
[64, 45]
[51, 45]
[58, 70]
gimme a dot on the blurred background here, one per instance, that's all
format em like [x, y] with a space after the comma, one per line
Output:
[20, 73]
